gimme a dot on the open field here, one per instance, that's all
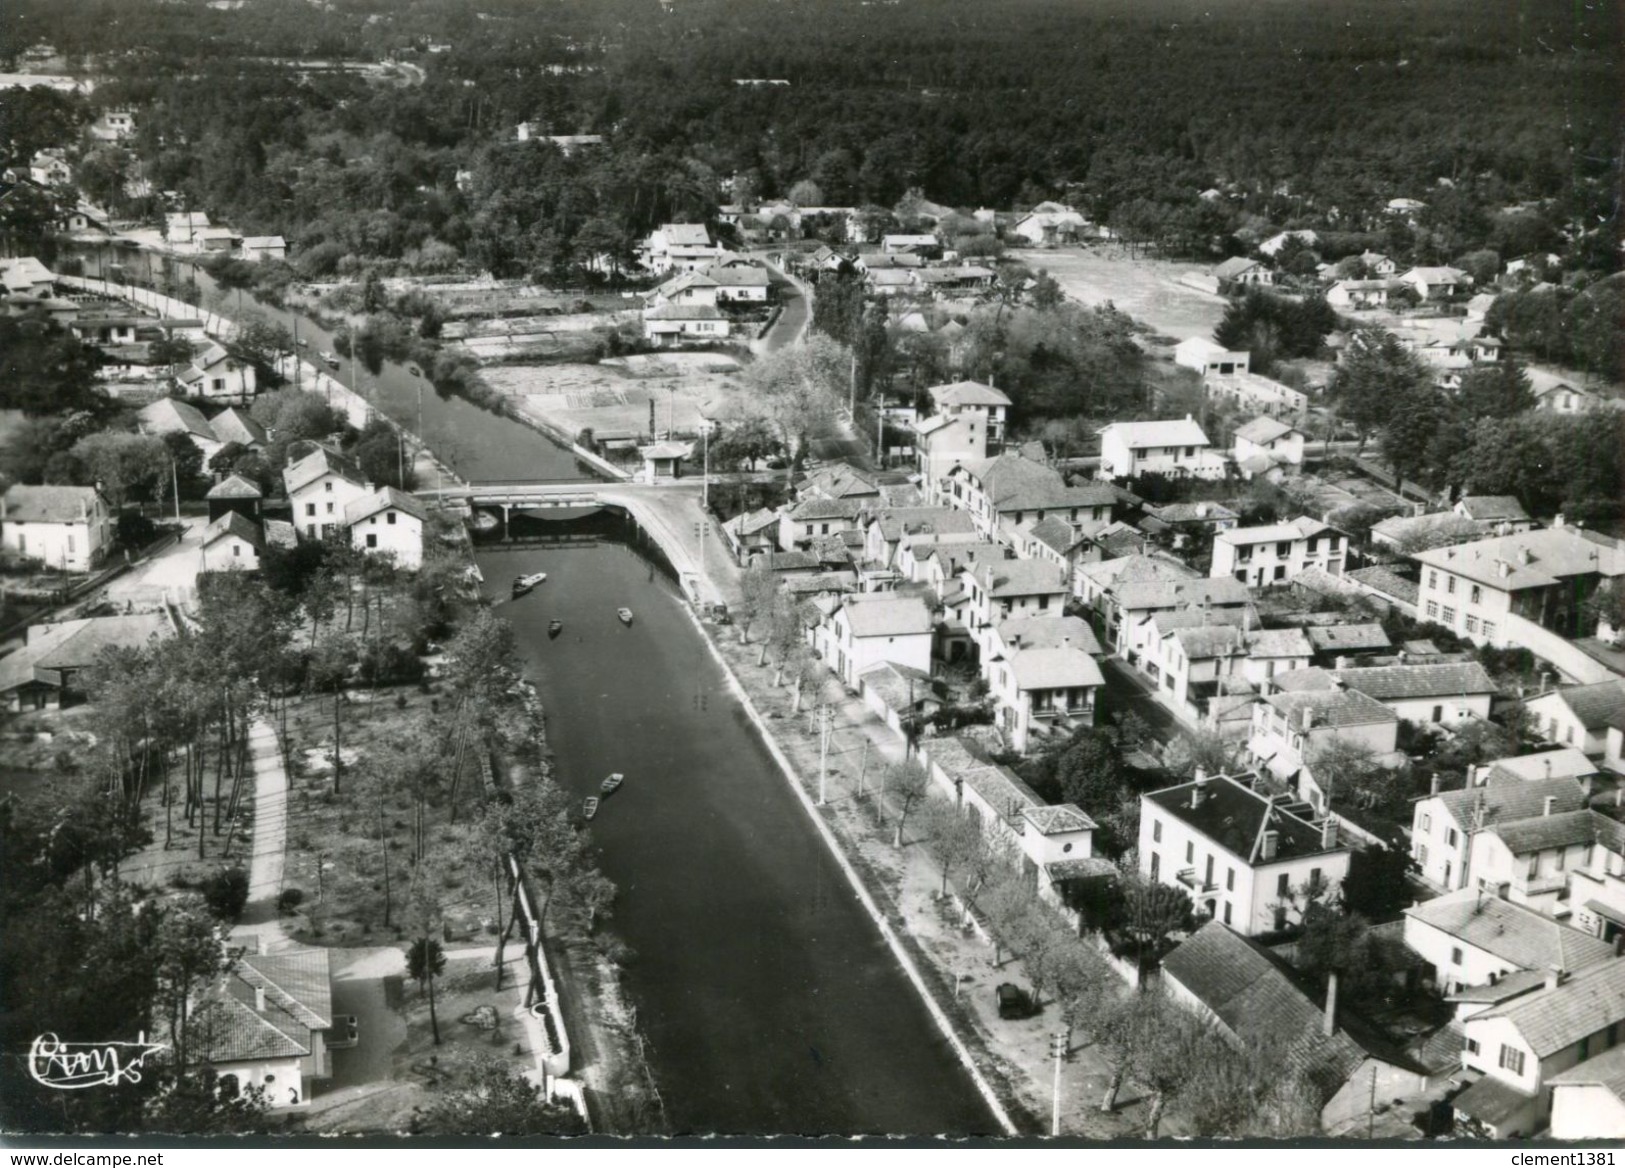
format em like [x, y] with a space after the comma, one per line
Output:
[1148, 290]
[614, 396]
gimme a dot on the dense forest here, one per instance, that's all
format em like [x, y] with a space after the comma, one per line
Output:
[1298, 113]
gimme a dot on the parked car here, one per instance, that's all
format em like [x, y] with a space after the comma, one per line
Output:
[1014, 1002]
[346, 1032]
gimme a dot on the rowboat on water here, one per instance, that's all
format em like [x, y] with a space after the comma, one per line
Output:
[483, 521]
[625, 614]
[610, 784]
[590, 807]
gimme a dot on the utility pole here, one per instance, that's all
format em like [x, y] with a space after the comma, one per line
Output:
[825, 726]
[1057, 1047]
[175, 480]
[1371, 1112]
[863, 765]
[852, 390]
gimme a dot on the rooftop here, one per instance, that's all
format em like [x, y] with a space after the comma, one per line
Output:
[1566, 762]
[1235, 817]
[1059, 668]
[302, 472]
[1606, 1070]
[1140, 435]
[1595, 705]
[1333, 707]
[881, 615]
[1552, 1019]
[967, 393]
[1519, 935]
[1058, 819]
[999, 787]
[1400, 682]
[235, 487]
[1507, 800]
[23, 503]
[1492, 507]
[1302, 527]
[237, 524]
[382, 500]
[1332, 638]
[1264, 430]
[1049, 632]
[1019, 577]
[1528, 559]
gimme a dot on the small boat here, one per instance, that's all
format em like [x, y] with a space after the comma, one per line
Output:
[331, 358]
[625, 614]
[590, 807]
[554, 628]
[414, 371]
[303, 343]
[611, 783]
[523, 584]
[484, 521]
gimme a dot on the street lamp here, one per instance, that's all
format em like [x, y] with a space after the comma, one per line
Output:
[1058, 1043]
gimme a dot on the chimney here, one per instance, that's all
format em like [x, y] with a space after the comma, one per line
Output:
[1328, 832]
[1548, 761]
[1341, 663]
[1472, 777]
[1272, 840]
[1546, 805]
[1328, 1024]
[1619, 795]
[1306, 719]
[259, 999]
[1619, 944]
[1433, 784]
[1503, 569]
[1556, 975]
[1526, 556]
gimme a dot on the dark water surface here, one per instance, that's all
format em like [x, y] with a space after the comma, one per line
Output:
[769, 999]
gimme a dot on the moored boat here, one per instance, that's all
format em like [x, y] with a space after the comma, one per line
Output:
[523, 584]
[590, 807]
[625, 614]
[555, 627]
[331, 358]
[610, 784]
[483, 521]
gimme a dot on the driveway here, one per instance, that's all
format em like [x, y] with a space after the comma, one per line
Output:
[368, 984]
[791, 326]
[172, 570]
[1127, 691]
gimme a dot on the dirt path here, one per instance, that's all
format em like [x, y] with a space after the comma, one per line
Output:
[261, 918]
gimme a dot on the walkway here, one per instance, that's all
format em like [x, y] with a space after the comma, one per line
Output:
[261, 918]
[791, 326]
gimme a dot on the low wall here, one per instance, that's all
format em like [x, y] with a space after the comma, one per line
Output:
[165, 306]
[1548, 646]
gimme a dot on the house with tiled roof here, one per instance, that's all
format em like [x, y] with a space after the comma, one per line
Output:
[1137, 602]
[1333, 641]
[1006, 492]
[237, 425]
[1241, 855]
[1062, 542]
[1259, 1003]
[872, 628]
[1588, 1100]
[1264, 443]
[1271, 652]
[838, 481]
[1532, 860]
[218, 374]
[1492, 590]
[679, 246]
[1580, 716]
[1436, 283]
[319, 487]
[42, 673]
[69, 528]
[1472, 937]
[235, 493]
[388, 522]
[266, 1024]
[998, 590]
[1253, 393]
[668, 324]
[1190, 663]
[1043, 675]
[898, 692]
[937, 560]
[1291, 728]
[169, 415]
[1444, 823]
[1277, 552]
[752, 531]
[1495, 510]
[1446, 694]
[1239, 270]
[232, 543]
[1521, 1044]
[1177, 448]
[887, 527]
[1563, 763]
[817, 515]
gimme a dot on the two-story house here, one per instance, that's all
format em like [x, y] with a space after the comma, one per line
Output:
[1264, 444]
[999, 590]
[1531, 860]
[1291, 728]
[217, 375]
[1520, 1045]
[1062, 542]
[68, 528]
[815, 516]
[1206, 357]
[679, 246]
[388, 522]
[1274, 554]
[1240, 855]
[888, 527]
[1176, 448]
[1444, 824]
[1472, 938]
[1505, 590]
[739, 285]
[1581, 716]
[866, 630]
[319, 487]
[1192, 662]
[966, 425]
[1006, 492]
[1274, 651]
[1043, 676]
[1436, 283]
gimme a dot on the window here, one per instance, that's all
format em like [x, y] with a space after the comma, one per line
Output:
[236, 549]
[1448, 614]
[330, 508]
[1422, 854]
[1227, 912]
[310, 508]
[1433, 609]
[1534, 866]
[1230, 880]
[1427, 822]
[1438, 713]
[1433, 579]
[1314, 880]
[1280, 919]
[1476, 595]
[1489, 630]
[1511, 1059]
[328, 486]
[372, 541]
[70, 543]
[1472, 1046]
[389, 517]
[1156, 831]
[1190, 851]
[1156, 865]
[1283, 549]
[1450, 585]
[1455, 955]
[1283, 885]
[1043, 603]
[1450, 837]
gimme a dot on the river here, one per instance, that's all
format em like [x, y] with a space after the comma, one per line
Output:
[770, 1002]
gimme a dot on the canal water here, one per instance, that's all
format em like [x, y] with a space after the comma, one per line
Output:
[770, 1002]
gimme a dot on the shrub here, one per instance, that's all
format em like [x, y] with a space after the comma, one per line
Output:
[290, 900]
[226, 893]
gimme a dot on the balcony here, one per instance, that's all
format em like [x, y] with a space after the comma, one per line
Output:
[1189, 878]
[1542, 885]
[1060, 713]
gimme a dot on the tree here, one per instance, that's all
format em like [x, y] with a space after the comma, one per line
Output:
[124, 464]
[487, 1097]
[226, 893]
[1377, 884]
[799, 389]
[910, 783]
[1147, 912]
[951, 839]
[1376, 375]
[807, 193]
[1409, 434]
[1090, 772]
[1498, 390]
[45, 369]
[757, 592]
[425, 959]
[189, 956]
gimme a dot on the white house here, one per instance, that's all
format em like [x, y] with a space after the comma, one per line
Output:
[681, 246]
[218, 376]
[266, 1024]
[685, 288]
[1436, 283]
[26, 276]
[968, 421]
[1005, 492]
[1264, 443]
[169, 415]
[1274, 554]
[114, 125]
[1240, 855]
[388, 522]
[320, 486]
[1205, 357]
[814, 516]
[1050, 225]
[866, 630]
[744, 285]
[669, 324]
[1532, 860]
[1580, 716]
[1239, 271]
[42, 673]
[1291, 728]
[1178, 448]
[1254, 393]
[1588, 1100]
[1520, 1045]
[232, 543]
[1446, 694]
[264, 247]
[1444, 823]
[1473, 938]
[1273, 651]
[1002, 589]
[1043, 674]
[70, 528]
[1356, 294]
